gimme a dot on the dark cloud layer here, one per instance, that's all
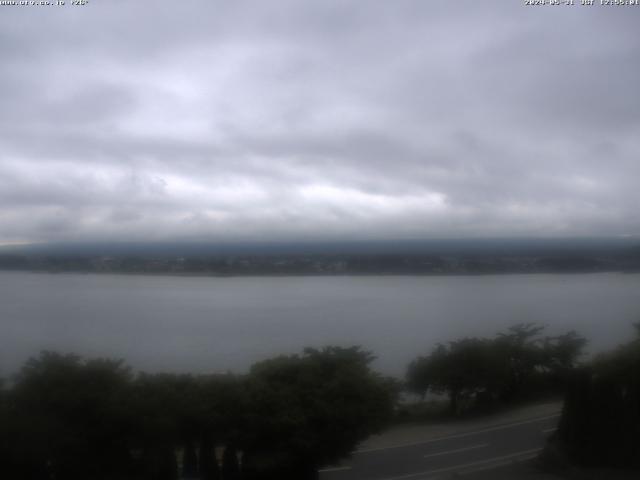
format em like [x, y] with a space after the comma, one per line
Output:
[318, 119]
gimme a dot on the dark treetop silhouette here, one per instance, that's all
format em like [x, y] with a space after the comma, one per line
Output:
[70, 418]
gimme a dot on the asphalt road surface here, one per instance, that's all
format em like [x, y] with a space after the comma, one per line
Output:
[458, 454]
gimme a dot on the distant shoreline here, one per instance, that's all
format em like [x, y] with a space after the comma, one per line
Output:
[312, 274]
[290, 264]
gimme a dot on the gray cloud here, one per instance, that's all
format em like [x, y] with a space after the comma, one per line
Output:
[332, 119]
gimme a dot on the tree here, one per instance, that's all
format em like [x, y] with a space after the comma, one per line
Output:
[425, 373]
[222, 408]
[167, 414]
[5, 437]
[311, 410]
[600, 422]
[68, 418]
[563, 352]
[476, 370]
[521, 350]
[464, 370]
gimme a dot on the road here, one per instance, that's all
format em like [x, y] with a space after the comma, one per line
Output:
[460, 453]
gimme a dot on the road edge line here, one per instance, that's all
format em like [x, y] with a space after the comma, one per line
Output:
[457, 435]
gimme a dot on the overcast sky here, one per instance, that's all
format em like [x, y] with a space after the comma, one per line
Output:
[328, 119]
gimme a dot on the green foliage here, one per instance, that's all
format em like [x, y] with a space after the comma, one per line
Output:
[463, 369]
[67, 417]
[474, 371]
[600, 423]
[70, 418]
[561, 352]
[163, 406]
[313, 409]
[221, 406]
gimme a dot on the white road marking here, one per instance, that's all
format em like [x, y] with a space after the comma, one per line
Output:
[549, 430]
[481, 464]
[458, 435]
[507, 461]
[473, 447]
[334, 469]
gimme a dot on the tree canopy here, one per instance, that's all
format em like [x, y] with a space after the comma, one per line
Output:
[311, 409]
[70, 418]
[476, 370]
[600, 423]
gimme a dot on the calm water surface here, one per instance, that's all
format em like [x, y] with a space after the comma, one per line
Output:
[217, 324]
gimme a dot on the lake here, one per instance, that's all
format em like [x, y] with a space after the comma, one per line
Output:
[207, 324]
